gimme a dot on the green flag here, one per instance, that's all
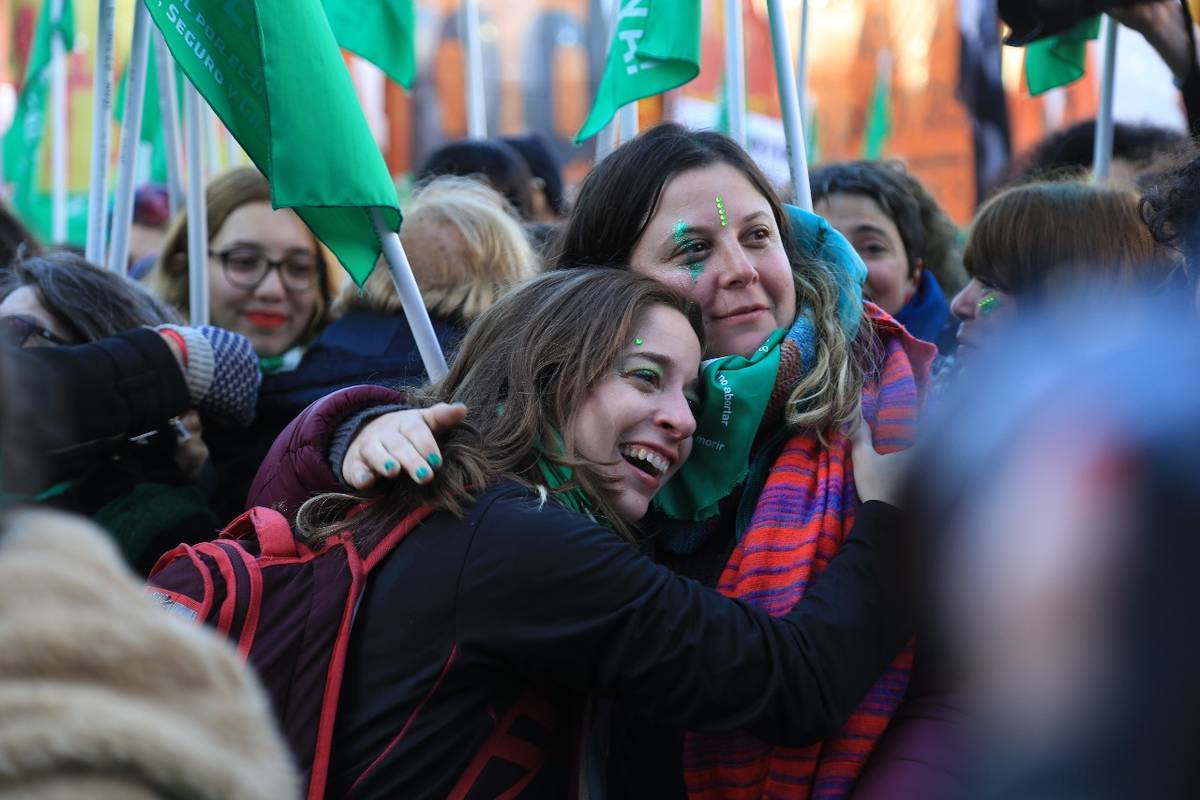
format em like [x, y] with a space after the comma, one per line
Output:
[27, 143]
[879, 116]
[272, 72]
[383, 32]
[656, 47]
[1059, 60]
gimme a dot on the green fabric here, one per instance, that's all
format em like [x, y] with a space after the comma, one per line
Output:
[152, 117]
[879, 118]
[27, 143]
[734, 391]
[1059, 60]
[557, 476]
[656, 47]
[381, 31]
[274, 75]
[140, 520]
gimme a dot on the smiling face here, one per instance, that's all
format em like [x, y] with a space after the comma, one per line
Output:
[714, 238]
[980, 308]
[271, 316]
[877, 240]
[637, 423]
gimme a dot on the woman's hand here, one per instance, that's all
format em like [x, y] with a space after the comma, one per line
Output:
[876, 476]
[192, 452]
[402, 440]
[1163, 25]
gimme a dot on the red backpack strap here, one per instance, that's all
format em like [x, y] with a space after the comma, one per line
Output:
[269, 527]
[388, 543]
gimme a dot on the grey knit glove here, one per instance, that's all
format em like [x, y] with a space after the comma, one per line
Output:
[222, 373]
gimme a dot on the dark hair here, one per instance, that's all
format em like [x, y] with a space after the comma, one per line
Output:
[1070, 149]
[492, 160]
[524, 369]
[619, 197]
[926, 231]
[90, 302]
[544, 164]
[1031, 236]
[1170, 208]
[15, 238]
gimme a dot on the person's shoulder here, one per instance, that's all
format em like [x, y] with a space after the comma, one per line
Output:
[512, 501]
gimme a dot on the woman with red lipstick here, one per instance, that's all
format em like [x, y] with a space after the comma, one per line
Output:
[481, 637]
[268, 280]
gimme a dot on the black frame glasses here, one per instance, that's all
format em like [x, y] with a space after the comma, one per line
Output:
[291, 280]
[17, 330]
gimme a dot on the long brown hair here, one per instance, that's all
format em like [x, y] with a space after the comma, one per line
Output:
[619, 197]
[524, 370]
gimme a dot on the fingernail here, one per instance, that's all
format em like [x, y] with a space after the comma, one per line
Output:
[364, 476]
[434, 460]
[422, 473]
[389, 466]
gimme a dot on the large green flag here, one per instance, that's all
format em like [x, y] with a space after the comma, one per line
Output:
[272, 71]
[656, 47]
[1059, 60]
[381, 31]
[27, 143]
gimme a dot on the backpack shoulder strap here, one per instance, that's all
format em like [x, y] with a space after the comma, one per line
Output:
[269, 527]
[388, 543]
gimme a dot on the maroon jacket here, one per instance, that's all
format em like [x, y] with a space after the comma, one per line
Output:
[297, 466]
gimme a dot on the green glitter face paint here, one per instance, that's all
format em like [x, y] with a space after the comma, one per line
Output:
[721, 212]
[989, 305]
[638, 341]
[695, 268]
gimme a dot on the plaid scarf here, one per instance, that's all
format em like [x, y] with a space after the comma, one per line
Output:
[803, 513]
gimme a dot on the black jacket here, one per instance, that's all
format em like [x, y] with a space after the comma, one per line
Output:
[491, 630]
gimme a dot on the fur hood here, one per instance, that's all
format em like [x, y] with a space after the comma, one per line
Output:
[103, 694]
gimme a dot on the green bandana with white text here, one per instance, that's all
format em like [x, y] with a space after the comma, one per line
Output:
[734, 392]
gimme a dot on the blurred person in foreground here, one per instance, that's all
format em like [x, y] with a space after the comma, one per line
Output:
[1057, 492]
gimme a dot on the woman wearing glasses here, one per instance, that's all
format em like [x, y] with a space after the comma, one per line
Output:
[268, 280]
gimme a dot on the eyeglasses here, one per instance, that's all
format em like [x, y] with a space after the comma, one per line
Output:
[246, 269]
[16, 331]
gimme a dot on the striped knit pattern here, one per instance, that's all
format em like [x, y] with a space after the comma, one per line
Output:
[804, 513]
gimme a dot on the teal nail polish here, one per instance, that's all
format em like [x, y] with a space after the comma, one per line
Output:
[389, 466]
[422, 473]
[434, 460]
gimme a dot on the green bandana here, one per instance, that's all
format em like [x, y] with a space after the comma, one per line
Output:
[734, 391]
[556, 477]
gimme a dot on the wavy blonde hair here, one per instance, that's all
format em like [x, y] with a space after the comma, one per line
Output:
[465, 247]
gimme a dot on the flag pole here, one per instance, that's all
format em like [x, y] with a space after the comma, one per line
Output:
[410, 298]
[802, 66]
[131, 138]
[58, 135]
[168, 105]
[476, 106]
[197, 209]
[628, 118]
[735, 71]
[606, 139]
[1102, 152]
[789, 102]
[102, 76]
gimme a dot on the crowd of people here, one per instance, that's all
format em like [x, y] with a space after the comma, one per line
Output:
[720, 498]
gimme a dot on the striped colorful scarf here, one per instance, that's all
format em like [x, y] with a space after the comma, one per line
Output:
[804, 512]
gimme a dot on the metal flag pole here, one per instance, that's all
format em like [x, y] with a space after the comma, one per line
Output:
[131, 136]
[476, 105]
[102, 80]
[735, 71]
[410, 298]
[606, 139]
[628, 121]
[197, 209]
[789, 102]
[58, 131]
[802, 65]
[168, 104]
[1102, 152]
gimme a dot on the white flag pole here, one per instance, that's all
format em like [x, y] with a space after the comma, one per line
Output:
[131, 139]
[58, 134]
[168, 104]
[197, 209]
[102, 86]
[476, 105]
[212, 143]
[410, 299]
[606, 139]
[628, 117]
[735, 71]
[802, 65]
[789, 102]
[1102, 152]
